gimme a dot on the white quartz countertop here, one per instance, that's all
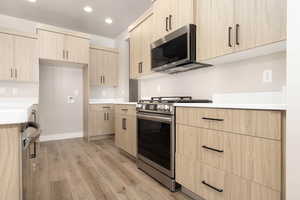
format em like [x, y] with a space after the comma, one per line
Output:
[234, 106]
[14, 113]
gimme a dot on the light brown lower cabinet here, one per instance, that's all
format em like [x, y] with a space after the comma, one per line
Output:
[125, 126]
[217, 161]
[10, 162]
[214, 184]
[101, 120]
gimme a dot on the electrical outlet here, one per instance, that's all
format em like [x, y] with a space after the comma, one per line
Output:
[268, 76]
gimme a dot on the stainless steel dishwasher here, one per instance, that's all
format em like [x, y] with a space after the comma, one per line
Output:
[30, 138]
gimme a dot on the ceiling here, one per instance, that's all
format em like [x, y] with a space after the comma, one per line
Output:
[69, 13]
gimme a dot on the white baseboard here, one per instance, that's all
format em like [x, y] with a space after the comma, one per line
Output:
[61, 136]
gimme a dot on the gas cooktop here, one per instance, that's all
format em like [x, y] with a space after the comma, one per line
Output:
[166, 104]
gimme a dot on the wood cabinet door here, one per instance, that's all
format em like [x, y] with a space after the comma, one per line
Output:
[118, 130]
[146, 39]
[109, 120]
[259, 22]
[215, 28]
[181, 13]
[6, 61]
[136, 56]
[51, 45]
[77, 49]
[110, 68]
[93, 68]
[26, 59]
[161, 13]
[131, 135]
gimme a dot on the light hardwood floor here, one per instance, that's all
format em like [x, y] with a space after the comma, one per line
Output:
[77, 170]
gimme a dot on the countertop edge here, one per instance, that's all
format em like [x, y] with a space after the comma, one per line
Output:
[278, 107]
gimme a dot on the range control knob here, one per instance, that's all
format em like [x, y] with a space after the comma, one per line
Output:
[167, 108]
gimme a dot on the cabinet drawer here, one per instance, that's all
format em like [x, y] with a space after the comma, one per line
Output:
[266, 124]
[101, 107]
[256, 159]
[218, 184]
[125, 109]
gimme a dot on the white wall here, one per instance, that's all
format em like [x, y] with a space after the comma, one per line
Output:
[293, 92]
[57, 116]
[242, 76]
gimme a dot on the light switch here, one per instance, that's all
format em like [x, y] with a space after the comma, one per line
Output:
[71, 100]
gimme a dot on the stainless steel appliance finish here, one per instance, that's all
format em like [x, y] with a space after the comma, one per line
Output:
[176, 52]
[156, 137]
[29, 143]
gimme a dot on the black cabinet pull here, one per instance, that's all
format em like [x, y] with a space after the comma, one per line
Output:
[124, 109]
[212, 149]
[229, 36]
[237, 30]
[212, 187]
[167, 21]
[124, 126]
[141, 67]
[32, 156]
[170, 22]
[213, 119]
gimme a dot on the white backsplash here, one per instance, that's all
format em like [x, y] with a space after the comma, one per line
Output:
[240, 77]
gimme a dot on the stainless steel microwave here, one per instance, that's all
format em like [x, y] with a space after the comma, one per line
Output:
[176, 52]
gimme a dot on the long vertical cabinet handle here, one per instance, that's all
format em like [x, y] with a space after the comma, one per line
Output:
[229, 36]
[170, 22]
[107, 116]
[141, 67]
[11, 72]
[237, 32]
[67, 55]
[16, 73]
[64, 54]
[167, 21]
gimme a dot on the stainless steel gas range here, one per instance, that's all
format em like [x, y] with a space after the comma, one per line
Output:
[156, 137]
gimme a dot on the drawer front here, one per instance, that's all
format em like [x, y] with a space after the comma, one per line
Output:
[125, 109]
[211, 148]
[256, 159]
[101, 107]
[213, 184]
[266, 124]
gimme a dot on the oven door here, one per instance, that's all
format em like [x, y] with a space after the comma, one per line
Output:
[156, 141]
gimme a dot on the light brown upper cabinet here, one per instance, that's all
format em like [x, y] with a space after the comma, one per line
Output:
[170, 15]
[228, 26]
[103, 67]
[140, 52]
[63, 47]
[19, 60]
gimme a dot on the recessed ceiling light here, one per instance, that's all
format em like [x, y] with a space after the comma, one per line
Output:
[32, 1]
[88, 9]
[108, 21]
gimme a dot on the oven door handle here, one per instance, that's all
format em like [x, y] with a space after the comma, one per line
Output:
[155, 118]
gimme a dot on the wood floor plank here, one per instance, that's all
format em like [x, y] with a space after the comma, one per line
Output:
[77, 170]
